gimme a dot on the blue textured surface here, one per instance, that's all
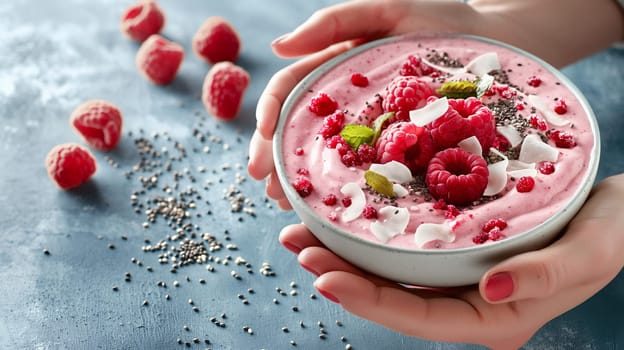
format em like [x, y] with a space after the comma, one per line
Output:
[55, 55]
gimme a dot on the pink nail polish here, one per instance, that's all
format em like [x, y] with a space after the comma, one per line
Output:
[309, 269]
[499, 286]
[328, 295]
[293, 248]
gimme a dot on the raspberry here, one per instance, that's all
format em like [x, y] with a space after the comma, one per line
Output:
[346, 202]
[99, 123]
[350, 158]
[538, 123]
[224, 89]
[159, 59]
[406, 143]
[359, 80]
[546, 168]
[366, 153]
[457, 176]
[520, 106]
[332, 124]
[369, 212]
[69, 165]
[451, 211]
[495, 234]
[562, 139]
[480, 238]
[216, 41]
[560, 107]
[322, 105]
[499, 223]
[404, 94]
[303, 171]
[334, 141]
[299, 151]
[141, 20]
[501, 143]
[440, 204]
[525, 184]
[303, 186]
[534, 81]
[330, 199]
[464, 118]
[415, 67]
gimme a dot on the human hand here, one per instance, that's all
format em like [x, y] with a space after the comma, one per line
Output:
[331, 31]
[513, 299]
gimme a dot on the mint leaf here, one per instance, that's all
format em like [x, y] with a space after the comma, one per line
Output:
[379, 183]
[356, 134]
[458, 89]
[379, 122]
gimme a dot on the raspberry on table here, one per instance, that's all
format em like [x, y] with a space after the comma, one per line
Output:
[159, 59]
[223, 90]
[464, 118]
[216, 40]
[525, 184]
[69, 165]
[322, 105]
[141, 20]
[403, 94]
[406, 143]
[359, 80]
[457, 176]
[332, 124]
[99, 123]
[414, 66]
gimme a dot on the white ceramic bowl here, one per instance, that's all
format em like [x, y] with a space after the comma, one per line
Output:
[439, 267]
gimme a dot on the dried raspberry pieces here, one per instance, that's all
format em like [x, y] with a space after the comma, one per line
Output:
[142, 19]
[224, 89]
[99, 123]
[216, 40]
[69, 165]
[159, 59]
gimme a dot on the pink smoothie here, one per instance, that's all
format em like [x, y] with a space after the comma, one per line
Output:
[307, 155]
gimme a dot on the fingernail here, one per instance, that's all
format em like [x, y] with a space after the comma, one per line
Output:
[311, 270]
[280, 39]
[293, 248]
[499, 286]
[328, 295]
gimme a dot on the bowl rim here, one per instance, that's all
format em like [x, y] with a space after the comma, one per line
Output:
[293, 97]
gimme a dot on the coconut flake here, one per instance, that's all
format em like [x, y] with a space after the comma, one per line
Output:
[393, 220]
[497, 177]
[429, 112]
[431, 232]
[511, 134]
[393, 171]
[483, 64]
[399, 190]
[472, 145]
[534, 150]
[358, 201]
[540, 104]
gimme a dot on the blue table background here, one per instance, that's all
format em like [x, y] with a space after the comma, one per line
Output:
[56, 54]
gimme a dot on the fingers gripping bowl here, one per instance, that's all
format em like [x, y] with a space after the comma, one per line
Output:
[428, 159]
